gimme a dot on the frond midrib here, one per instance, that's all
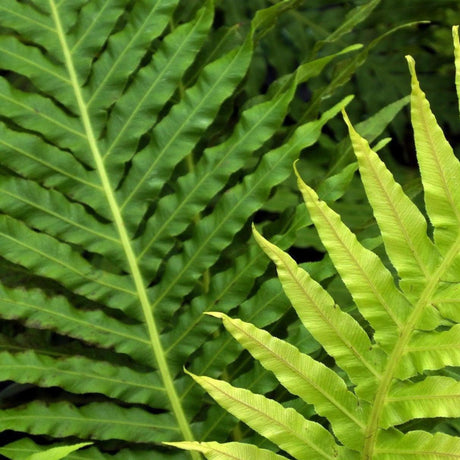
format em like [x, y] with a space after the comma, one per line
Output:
[394, 359]
[155, 343]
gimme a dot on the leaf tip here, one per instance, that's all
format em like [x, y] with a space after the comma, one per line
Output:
[257, 236]
[304, 188]
[216, 314]
[195, 377]
[346, 119]
[411, 63]
[185, 445]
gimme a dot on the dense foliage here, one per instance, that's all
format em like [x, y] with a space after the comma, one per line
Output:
[138, 142]
[396, 369]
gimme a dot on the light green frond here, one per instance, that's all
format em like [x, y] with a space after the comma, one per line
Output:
[57, 453]
[417, 444]
[341, 336]
[439, 168]
[131, 166]
[284, 427]
[435, 396]
[430, 351]
[402, 225]
[397, 366]
[306, 378]
[229, 450]
[369, 282]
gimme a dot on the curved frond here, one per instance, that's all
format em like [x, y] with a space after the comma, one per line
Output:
[396, 356]
[304, 377]
[283, 426]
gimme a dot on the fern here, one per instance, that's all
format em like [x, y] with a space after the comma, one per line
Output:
[119, 192]
[394, 370]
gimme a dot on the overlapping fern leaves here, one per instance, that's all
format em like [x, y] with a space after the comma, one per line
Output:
[395, 370]
[115, 208]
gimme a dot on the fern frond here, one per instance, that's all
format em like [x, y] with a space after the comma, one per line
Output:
[92, 421]
[121, 191]
[285, 427]
[304, 377]
[341, 336]
[391, 372]
[438, 166]
[230, 450]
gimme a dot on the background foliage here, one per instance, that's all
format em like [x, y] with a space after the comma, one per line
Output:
[233, 276]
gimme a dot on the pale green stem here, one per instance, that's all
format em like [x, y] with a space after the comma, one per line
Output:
[155, 342]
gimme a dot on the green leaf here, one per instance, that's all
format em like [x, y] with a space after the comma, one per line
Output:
[341, 336]
[354, 17]
[93, 421]
[365, 276]
[83, 375]
[417, 443]
[95, 327]
[403, 227]
[436, 396]
[284, 427]
[438, 166]
[133, 116]
[57, 453]
[395, 349]
[232, 450]
[131, 161]
[304, 377]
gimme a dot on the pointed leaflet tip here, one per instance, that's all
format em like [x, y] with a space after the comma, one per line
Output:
[264, 244]
[216, 314]
[257, 236]
[307, 192]
[188, 372]
[198, 379]
[411, 63]
[455, 35]
[345, 118]
[351, 130]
